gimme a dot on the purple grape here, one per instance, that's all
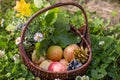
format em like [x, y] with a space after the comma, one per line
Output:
[74, 64]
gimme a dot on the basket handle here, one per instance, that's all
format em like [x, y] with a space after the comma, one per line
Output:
[51, 7]
[85, 36]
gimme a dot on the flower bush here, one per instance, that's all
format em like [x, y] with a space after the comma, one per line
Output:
[50, 28]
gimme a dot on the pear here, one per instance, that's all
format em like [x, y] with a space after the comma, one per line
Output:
[45, 64]
[34, 56]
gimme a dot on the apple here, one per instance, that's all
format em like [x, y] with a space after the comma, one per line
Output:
[57, 67]
[69, 52]
[54, 53]
[64, 62]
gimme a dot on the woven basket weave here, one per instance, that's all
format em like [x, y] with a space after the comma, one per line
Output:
[82, 32]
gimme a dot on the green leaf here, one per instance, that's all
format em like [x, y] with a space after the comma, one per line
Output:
[14, 68]
[61, 35]
[41, 47]
[24, 70]
[117, 49]
[77, 19]
[108, 43]
[37, 48]
[10, 27]
[8, 74]
[1, 67]
[78, 78]
[46, 4]
[38, 3]
[21, 78]
[62, 23]
[51, 16]
[94, 73]
[64, 39]
[30, 76]
[3, 41]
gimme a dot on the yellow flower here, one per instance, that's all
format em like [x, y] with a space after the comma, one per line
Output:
[17, 15]
[23, 8]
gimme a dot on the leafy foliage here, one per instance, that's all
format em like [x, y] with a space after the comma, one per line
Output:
[8, 68]
[101, 66]
[61, 34]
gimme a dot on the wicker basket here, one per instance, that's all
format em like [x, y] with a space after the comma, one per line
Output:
[83, 32]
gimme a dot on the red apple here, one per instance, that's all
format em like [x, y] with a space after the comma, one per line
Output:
[57, 67]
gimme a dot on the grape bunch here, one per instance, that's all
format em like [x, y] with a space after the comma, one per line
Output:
[74, 64]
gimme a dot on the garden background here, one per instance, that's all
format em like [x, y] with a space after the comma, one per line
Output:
[104, 23]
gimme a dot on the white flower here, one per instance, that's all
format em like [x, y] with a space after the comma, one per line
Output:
[2, 21]
[101, 43]
[17, 41]
[2, 54]
[38, 37]
[16, 57]
[84, 78]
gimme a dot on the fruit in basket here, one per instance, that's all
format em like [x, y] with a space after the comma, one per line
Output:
[74, 64]
[42, 58]
[34, 56]
[57, 67]
[45, 64]
[69, 52]
[64, 62]
[81, 54]
[54, 53]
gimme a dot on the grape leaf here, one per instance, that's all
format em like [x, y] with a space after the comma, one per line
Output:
[65, 39]
[61, 36]
[61, 23]
[51, 16]
[41, 47]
